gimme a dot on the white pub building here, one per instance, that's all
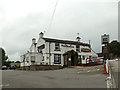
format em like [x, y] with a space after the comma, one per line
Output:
[48, 51]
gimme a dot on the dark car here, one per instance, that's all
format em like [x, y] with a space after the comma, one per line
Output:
[4, 67]
[12, 67]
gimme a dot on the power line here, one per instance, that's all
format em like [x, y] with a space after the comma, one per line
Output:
[52, 17]
[54, 9]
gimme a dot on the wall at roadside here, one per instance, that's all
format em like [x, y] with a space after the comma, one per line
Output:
[41, 67]
[113, 66]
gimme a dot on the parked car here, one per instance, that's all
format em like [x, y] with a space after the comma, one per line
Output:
[4, 67]
[12, 67]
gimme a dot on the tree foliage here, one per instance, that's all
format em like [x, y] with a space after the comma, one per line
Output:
[4, 57]
[17, 61]
[114, 47]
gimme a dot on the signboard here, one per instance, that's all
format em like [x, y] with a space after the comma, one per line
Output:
[105, 39]
[97, 60]
[105, 50]
[65, 45]
[47, 58]
[85, 50]
[41, 47]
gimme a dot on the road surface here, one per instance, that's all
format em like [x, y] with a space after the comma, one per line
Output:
[83, 77]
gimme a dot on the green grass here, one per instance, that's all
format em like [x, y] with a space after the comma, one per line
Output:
[117, 58]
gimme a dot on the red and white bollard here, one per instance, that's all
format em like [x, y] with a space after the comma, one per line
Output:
[106, 67]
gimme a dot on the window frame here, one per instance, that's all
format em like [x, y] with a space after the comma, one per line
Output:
[57, 46]
[79, 58]
[32, 58]
[58, 58]
[77, 48]
[83, 57]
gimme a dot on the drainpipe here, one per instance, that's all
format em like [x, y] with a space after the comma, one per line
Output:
[49, 55]
[24, 62]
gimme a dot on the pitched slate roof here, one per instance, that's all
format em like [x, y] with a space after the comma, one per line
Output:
[66, 41]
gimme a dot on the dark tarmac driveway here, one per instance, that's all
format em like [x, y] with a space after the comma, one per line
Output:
[82, 77]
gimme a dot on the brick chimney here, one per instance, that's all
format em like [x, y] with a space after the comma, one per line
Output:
[33, 40]
[78, 39]
[41, 35]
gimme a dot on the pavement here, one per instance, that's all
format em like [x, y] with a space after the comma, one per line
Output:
[82, 77]
[115, 71]
[0, 79]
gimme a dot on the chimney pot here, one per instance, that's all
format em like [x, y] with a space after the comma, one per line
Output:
[78, 39]
[33, 40]
[41, 35]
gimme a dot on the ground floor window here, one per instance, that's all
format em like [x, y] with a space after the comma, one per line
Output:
[57, 58]
[32, 58]
[83, 57]
[79, 58]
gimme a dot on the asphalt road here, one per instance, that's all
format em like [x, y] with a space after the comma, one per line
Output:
[83, 77]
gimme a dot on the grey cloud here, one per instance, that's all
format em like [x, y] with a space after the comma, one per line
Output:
[91, 20]
[17, 36]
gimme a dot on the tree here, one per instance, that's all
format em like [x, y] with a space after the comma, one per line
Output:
[114, 48]
[17, 61]
[4, 57]
[7, 63]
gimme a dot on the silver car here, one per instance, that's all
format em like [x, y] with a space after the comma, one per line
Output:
[4, 67]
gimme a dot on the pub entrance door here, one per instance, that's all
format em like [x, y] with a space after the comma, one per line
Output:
[70, 58]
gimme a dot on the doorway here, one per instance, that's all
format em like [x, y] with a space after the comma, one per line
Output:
[70, 58]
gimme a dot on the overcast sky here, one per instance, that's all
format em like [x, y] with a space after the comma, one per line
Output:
[21, 20]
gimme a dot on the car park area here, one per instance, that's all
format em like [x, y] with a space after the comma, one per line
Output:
[77, 77]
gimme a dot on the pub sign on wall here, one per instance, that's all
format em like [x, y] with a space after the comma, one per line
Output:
[105, 39]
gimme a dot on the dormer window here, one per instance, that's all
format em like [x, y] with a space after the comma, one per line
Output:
[57, 46]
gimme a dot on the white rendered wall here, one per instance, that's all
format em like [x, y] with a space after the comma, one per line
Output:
[62, 51]
[48, 52]
[38, 59]
[33, 48]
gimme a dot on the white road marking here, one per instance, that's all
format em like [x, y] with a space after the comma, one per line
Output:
[6, 85]
[98, 69]
[88, 71]
[79, 72]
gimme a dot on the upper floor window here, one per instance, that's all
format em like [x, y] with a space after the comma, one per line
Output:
[57, 46]
[77, 48]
